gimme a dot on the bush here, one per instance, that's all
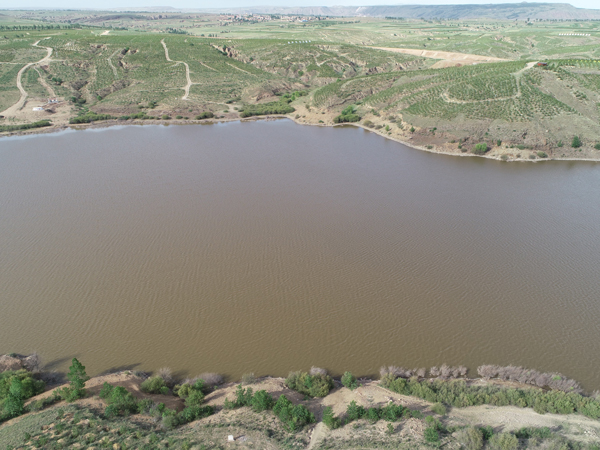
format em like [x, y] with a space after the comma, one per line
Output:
[191, 413]
[458, 393]
[347, 115]
[431, 434]
[346, 118]
[542, 154]
[13, 404]
[470, 438]
[154, 385]
[576, 142]
[317, 385]
[293, 416]
[27, 126]
[262, 401]
[120, 401]
[349, 381]
[439, 408]
[391, 412]
[243, 397]
[531, 432]
[90, 117]
[278, 107]
[354, 411]
[504, 441]
[330, 420]
[597, 146]
[77, 378]
[368, 124]
[205, 115]
[480, 148]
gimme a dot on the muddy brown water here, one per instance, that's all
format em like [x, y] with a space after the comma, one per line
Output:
[266, 247]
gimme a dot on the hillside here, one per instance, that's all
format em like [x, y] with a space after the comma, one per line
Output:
[439, 86]
[503, 11]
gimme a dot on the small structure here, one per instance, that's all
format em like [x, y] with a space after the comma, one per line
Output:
[38, 108]
[230, 438]
[542, 64]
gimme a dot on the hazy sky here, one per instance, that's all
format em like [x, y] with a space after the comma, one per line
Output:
[99, 4]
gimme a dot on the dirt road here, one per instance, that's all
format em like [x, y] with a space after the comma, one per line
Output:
[187, 71]
[11, 111]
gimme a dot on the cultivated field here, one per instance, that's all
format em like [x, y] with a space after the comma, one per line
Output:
[439, 85]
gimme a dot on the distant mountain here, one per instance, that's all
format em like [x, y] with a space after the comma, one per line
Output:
[506, 11]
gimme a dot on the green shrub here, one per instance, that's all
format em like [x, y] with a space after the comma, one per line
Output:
[154, 385]
[77, 378]
[576, 142]
[457, 393]
[346, 118]
[487, 432]
[120, 401]
[354, 411]
[597, 146]
[470, 438]
[293, 416]
[27, 126]
[439, 408]
[90, 117]
[532, 432]
[504, 441]
[480, 148]
[262, 401]
[191, 413]
[317, 385]
[542, 154]
[349, 381]
[431, 434]
[278, 107]
[330, 420]
[559, 144]
[498, 143]
[13, 404]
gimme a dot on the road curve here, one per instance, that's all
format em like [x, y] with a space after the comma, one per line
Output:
[11, 111]
[187, 71]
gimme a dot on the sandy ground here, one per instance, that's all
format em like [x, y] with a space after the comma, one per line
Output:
[448, 59]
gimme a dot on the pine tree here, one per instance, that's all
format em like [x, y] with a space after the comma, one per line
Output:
[77, 378]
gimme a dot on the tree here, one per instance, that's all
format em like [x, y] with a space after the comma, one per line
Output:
[14, 404]
[77, 378]
[576, 142]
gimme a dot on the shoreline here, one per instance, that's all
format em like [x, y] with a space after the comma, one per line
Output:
[117, 122]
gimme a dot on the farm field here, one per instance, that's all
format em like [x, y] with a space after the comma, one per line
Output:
[525, 89]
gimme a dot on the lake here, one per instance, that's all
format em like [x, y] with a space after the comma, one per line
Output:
[268, 247]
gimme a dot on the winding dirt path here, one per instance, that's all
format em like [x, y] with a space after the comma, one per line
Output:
[44, 83]
[12, 110]
[187, 71]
